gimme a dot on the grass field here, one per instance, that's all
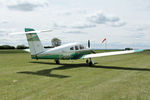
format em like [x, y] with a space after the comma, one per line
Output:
[122, 77]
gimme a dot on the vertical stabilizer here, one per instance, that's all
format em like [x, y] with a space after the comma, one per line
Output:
[34, 42]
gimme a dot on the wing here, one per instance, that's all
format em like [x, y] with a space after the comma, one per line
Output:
[27, 50]
[110, 53]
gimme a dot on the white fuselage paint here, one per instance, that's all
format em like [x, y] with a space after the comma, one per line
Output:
[63, 49]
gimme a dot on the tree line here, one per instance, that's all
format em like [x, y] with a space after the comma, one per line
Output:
[13, 47]
[19, 47]
[55, 42]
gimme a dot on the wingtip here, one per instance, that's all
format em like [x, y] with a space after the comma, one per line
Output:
[140, 50]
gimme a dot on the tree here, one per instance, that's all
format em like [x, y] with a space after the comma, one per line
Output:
[21, 47]
[7, 47]
[56, 42]
[128, 48]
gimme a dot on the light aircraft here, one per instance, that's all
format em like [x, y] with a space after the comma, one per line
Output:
[64, 52]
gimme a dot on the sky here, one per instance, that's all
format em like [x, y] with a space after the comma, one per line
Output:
[124, 23]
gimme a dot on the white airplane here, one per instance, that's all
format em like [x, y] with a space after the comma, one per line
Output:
[69, 51]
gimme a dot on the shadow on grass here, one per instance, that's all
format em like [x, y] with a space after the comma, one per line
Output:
[47, 72]
[69, 66]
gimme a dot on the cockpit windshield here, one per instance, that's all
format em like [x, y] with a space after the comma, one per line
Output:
[77, 47]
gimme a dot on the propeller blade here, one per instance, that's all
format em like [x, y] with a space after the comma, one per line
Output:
[89, 44]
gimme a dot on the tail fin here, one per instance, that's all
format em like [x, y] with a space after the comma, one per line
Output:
[34, 42]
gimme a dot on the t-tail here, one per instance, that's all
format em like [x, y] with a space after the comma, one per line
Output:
[34, 43]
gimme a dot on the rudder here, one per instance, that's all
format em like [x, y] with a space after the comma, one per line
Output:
[34, 42]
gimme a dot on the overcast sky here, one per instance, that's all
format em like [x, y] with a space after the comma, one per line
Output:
[125, 23]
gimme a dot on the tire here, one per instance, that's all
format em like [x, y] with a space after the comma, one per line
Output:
[57, 61]
[87, 61]
[90, 63]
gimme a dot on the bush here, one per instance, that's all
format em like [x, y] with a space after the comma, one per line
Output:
[21, 47]
[128, 48]
[48, 47]
[7, 47]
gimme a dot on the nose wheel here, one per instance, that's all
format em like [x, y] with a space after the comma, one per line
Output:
[90, 62]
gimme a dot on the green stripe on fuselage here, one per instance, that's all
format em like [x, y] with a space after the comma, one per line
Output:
[79, 54]
[76, 55]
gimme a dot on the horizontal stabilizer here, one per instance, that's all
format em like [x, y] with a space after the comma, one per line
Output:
[39, 31]
[27, 50]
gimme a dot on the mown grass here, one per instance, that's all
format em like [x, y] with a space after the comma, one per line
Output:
[122, 77]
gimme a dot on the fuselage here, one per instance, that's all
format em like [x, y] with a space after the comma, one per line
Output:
[67, 51]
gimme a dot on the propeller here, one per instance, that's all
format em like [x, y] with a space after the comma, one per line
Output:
[89, 45]
[39, 31]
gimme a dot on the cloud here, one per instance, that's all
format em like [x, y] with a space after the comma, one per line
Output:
[6, 31]
[101, 18]
[83, 26]
[117, 24]
[2, 33]
[140, 35]
[74, 26]
[74, 32]
[24, 5]
[138, 31]
[138, 28]
[3, 22]
[67, 13]
[6, 38]
[55, 25]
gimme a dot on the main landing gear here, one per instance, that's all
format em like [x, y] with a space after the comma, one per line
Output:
[90, 63]
[57, 61]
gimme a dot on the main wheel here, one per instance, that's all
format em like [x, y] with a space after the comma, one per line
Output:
[91, 62]
[87, 61]
[57, 61]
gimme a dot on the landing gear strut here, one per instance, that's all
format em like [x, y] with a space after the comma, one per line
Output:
[91, 62]
[57, 61]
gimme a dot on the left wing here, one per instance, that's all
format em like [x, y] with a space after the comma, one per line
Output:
[110, 53]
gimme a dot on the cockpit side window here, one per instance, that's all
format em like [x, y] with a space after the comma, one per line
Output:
[81, 47]
[72, 48]
[76, 48]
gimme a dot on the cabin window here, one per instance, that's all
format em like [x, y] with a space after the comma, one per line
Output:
[76, 47]
[81, 47]
[71, 48]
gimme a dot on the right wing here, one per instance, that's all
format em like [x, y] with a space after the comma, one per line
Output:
[110, 53]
